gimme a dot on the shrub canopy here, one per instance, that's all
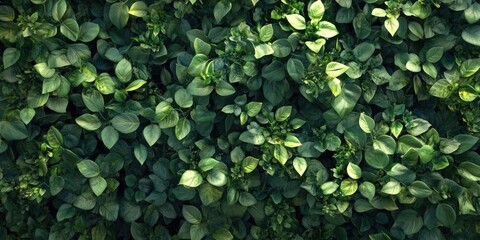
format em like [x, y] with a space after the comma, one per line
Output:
[247, 119]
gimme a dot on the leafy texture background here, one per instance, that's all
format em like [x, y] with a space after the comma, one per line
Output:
[248, 119]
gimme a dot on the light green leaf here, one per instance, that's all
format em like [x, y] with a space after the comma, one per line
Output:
[88, 168]
[385, 144]
[367, 189]
[419, 189]
[281, 154]
[27, 115]
[344, 103]
[198, 88]
[135, 85]
[44, 70]
[70, 29]
[249, 137]
[472, 35]
[123, 70]
[441, 89]
[182, 128]
[201, 47]
[316, 10]
[88, 122]
[191, 178]
[291, 141]
[263, 50]
[109, 136]
[326, 30]
[253, 108]
[392, 188]
[93, 100]
[183, 98]
[283, 113]
[266, 33]
[249, 164]
[392, 25]
[354, 171]
[197, 65]
[300, 165]
[329, 187]
[151, 133]
[98, 185]
[223, 88]
[348, 187]
[434, 54]
[335, 69]
[138, 9]
[297, 21]
[367, 124]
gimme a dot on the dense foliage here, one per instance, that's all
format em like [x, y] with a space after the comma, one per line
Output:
[246, 119]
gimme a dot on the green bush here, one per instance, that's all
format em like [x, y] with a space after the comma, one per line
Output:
[247, 119]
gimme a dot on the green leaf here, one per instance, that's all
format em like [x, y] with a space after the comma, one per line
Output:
[466, 142]
[197, 65]
[316, 45]
[191, 178]
[221, 9]
[472, 35]
[392, 25]
[335, 69]
[469, 67]
[125, 122]
[182, 128]
[344, 103]
[392, 188]
[445, 214]
[88, 168]
[467, 93]
[14, 130]
[249, 137]
[88, 31]
[281, 48]
[209, 194]
[54, 137]
[469, 170]
[98, 185]
[434, 54]
[217, 178]
[472, 13]
[316, 10]
[385, 144]
[364, 51]
[198, 88]
[130, 212]
[409, 221]
[191, 214]
[253, 108]
[295, 69]
[326, 30]
[223, 88]
[348, 187]
[66, 211]
[275, 71]
[249, 164]
[93, 100]
[201, 47]
[441, 89]
[222, 234]
[419, 189]
[367, 189]
[329, 187]
[283, 113]
[118, 14]
[44, 70]
[141, 153]
[402, 173]
[27, 115]
[291, 141]
[413, 63]
[354, 171]
[297, 21]
[70, 29]
[263, 50]
[378, 12]
[375, 158]
[300, 165]
[88, 122]
[430, 69]
[183, 98]
[266, 33]
[10, 57]
[281, 154]
[418, 126]
[7, 13]
[110, 211]
[367, 124]
[138, 9]
[151, 133]
[56, 184]
[123, 70]
[109, 136]
[135, 85]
